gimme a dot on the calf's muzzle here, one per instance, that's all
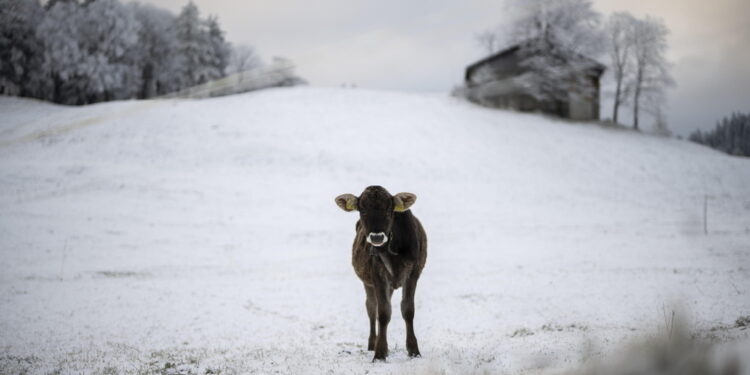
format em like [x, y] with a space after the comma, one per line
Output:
[377, 239]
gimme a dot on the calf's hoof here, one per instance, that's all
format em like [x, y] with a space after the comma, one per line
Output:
[371, 344]
[380, 355]
[412, 348]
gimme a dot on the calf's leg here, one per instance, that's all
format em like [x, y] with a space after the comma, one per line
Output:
[407, 312]
[371, 305]
[383, 293]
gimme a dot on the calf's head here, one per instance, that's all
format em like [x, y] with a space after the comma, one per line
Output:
[376, 210]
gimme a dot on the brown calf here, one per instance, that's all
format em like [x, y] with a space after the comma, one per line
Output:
[389, 251]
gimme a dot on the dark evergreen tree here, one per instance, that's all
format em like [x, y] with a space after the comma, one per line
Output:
[195, 48]
[21, 51]
[731, 135]
[221, 50]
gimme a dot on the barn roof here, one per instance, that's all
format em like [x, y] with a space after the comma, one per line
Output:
[515, 48]
[506, 52]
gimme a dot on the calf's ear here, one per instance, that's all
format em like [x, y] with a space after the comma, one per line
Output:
[347, 202]
[402, 201]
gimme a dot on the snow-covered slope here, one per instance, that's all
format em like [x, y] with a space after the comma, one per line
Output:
[201, 235]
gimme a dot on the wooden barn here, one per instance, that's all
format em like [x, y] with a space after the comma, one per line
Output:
[502, 80]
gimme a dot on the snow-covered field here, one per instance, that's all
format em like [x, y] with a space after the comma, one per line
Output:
[201, 236]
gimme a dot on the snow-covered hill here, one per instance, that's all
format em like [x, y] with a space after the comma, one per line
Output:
[201, 235]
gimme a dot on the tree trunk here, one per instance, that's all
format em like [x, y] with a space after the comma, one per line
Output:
[148, 86]
[635, 107]
[617, 101]
[637, 96]
[57, 91]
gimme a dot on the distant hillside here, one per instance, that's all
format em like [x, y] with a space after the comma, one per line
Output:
[201, 236]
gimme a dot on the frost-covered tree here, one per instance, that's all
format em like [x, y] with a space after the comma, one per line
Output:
[619, 31]
[110, 35]
[242, 58]
[220, 49]
[561, 38]
[159, 62]
[195, 48]
[282, 73]
[63, 56]
[651, 74]
[570, 24]
[21, 51]
[84, 51]
[88, 51]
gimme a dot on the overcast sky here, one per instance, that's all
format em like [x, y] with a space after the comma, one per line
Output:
[424, 45]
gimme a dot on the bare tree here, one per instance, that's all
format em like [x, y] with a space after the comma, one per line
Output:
[561, 38]
[619, 34]
[489, 41]
[651, 75]
[572, 25]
